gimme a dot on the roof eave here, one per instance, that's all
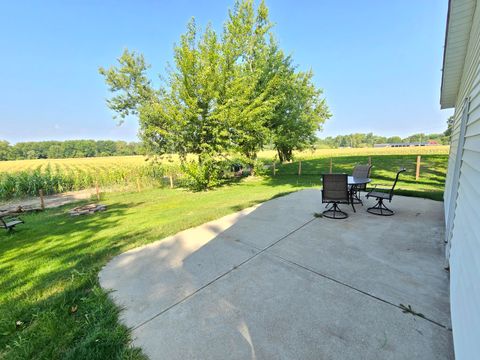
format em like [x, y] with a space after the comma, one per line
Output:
[452, 68]
[443, 103]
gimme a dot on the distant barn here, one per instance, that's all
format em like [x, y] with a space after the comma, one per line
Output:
[430, 143]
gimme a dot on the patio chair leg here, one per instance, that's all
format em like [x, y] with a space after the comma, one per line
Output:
[380, 209]
[334, 212]
[356, 197]
[352, 195]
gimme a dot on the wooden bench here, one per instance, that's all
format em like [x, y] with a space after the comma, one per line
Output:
[9, 222]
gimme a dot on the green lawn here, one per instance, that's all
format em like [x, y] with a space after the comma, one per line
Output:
[51, 306]
[430, 185]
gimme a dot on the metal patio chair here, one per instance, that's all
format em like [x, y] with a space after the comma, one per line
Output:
[360, 171]
[381, 195]
[335, 191]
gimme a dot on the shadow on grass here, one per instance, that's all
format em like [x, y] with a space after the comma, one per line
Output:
[49, 267]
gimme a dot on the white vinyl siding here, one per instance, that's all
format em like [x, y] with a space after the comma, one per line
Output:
[451, 163]
[463, 206]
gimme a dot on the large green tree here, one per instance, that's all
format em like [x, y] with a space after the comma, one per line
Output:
[450, 122]
[299, 115]
[248, 95]
[232, 93]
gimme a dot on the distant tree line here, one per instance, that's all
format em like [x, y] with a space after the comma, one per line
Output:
[67, 149]
[370, 139]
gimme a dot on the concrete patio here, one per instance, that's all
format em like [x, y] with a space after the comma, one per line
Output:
[274, 282]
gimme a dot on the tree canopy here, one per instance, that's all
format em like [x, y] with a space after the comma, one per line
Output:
[224, 94]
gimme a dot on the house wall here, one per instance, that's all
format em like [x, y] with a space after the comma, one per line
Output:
[462, 205]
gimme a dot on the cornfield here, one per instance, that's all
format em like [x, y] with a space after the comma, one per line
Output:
[26, 177]
[23, 178]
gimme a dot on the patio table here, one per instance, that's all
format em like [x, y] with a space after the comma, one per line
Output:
[353, 182]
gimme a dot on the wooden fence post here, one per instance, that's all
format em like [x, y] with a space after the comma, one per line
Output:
[273, 169]
[42, 201]
[171, 181]
[417, 173]
[299, 167]
[331, 165]
[97, 190]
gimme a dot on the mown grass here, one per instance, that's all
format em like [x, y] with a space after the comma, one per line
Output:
[51, 305]
[430, 184]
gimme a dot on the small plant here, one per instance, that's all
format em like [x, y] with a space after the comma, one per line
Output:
[259, 168]
[407, 309]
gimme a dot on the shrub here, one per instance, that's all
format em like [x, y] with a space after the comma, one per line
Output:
[203, 176]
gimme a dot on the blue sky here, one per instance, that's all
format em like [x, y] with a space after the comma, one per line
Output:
[379, 62]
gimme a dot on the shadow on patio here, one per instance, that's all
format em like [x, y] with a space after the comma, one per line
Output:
[273, 282]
